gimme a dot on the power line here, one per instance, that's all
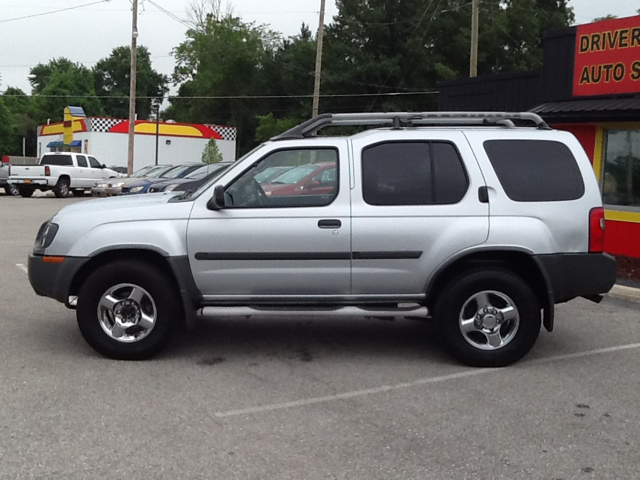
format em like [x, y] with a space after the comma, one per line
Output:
[226, 97]
[171, 15]
[54, 11]
[81, 63]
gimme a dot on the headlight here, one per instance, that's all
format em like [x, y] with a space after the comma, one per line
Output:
[136, 189]
[46, 234]
[118, 185]
[171, 187]
[101, 185]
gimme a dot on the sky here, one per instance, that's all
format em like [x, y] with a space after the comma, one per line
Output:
[88, 34]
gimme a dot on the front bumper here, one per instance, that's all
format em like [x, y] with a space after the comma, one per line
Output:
[113, 191]
[572, 275]
[53, 280]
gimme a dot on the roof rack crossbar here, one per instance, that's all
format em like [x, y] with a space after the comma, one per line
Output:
[399, 119]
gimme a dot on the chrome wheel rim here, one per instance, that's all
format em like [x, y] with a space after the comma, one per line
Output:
[64, 189]
[127, 313]
[489, 320]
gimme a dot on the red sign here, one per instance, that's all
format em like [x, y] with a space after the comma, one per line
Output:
[607, 59]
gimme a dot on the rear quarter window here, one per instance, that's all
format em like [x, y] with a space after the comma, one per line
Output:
[535, 170]
[64, 160]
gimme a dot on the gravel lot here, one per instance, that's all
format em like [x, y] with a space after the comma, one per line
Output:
[308, 398]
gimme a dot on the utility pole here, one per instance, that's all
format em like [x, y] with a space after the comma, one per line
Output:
[316, 87]
[156, 103]
[132, 85]
[475, 14]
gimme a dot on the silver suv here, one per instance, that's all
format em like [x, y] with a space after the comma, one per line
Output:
[480, 221]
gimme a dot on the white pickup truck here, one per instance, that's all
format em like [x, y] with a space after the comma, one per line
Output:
[61, 172]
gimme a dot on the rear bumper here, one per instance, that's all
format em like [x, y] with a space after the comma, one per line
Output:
[53, 280]
[31, 182]
[572, 275]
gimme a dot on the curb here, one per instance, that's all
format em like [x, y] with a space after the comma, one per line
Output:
[622, 292]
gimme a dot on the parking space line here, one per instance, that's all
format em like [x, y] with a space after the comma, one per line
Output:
[22, 267]
[416, 383]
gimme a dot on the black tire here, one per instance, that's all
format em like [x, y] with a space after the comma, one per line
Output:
[10, 189]
[160, 289]
[25, 192]
[61, 189]
[459, 300]
[78, 192]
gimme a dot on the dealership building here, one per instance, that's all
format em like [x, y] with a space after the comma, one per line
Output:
[589, 85]
[107, 139]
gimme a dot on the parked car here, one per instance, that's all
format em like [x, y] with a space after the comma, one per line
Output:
[122, 171]
[142, 185]
[60, 172]
[270, 173]
[479, 222]
[9, 188]
[114, 186]
[190, 181]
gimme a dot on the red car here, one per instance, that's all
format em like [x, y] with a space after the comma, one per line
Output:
[312, 179]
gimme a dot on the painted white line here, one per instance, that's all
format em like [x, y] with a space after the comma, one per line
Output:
[22, 267]
[423, 381]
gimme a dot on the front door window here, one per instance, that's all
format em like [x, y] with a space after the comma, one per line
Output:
[287, 179]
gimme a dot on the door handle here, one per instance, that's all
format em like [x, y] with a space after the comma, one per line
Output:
[329, 223]
[483, 194]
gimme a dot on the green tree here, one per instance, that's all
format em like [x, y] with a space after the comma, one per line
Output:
[211, 153]
[7, 138]
[270, 126]
[61, 83]
[20, 108]
[606, 17]
[112, 77]
[382, 46]
[224, 58]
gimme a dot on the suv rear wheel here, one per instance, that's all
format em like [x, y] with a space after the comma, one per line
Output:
[128, 310]
[488, 318]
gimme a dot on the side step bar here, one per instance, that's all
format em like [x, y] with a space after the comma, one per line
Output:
[347, 311]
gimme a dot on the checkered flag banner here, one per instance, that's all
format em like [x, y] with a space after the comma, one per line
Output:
[227, 133]
[96, 124]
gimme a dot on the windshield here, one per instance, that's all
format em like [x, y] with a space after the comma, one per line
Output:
[141, 172]
[177, 172]
[294, 175]
[158, 173]
[205, 170]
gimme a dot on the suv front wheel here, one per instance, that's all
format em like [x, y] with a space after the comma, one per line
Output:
[488, 317]
[128, 310]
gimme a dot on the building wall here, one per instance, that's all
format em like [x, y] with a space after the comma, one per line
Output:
[622, 227]
[513, 92]
[112, 148]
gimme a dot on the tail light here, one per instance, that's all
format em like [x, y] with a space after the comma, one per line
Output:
[596, 230]
[47, 171]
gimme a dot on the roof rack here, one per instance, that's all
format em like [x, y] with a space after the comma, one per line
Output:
[399, 120]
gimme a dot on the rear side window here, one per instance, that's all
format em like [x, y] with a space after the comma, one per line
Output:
[82, 161]
[64, 160]
[535, 170]
[413, 173]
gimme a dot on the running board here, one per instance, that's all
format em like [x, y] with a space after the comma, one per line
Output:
[347, 311]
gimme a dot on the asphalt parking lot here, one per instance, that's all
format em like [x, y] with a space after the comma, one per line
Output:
[308, 398]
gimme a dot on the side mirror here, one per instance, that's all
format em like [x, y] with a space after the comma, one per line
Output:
[103, 166]
[217, 201]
